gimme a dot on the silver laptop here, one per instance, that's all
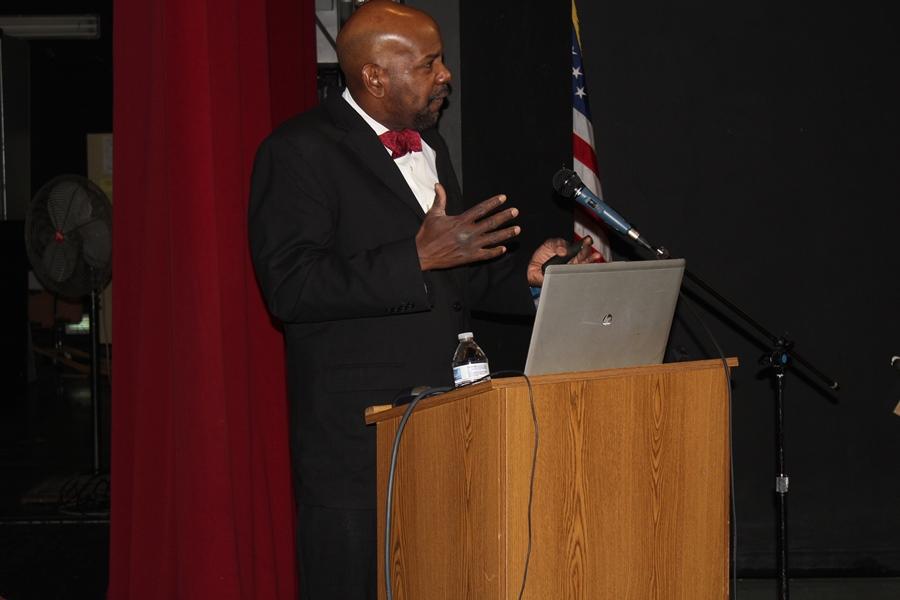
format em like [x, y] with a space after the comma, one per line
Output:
[604, 316]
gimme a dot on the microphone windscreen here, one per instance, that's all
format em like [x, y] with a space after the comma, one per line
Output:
[565, 182]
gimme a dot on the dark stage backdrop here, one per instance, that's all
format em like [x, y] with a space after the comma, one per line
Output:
[760, 142]
[516, 132]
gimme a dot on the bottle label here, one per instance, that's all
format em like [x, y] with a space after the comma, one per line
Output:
[470, 373]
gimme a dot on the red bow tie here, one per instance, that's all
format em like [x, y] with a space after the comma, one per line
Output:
[401, 143]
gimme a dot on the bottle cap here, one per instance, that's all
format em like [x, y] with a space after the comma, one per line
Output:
[465, 336]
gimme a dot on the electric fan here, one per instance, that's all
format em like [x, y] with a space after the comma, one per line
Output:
[68, 237]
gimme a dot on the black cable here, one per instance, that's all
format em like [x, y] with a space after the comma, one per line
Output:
[389, 504]
[533, 469]
[689, 304]
[389, 501]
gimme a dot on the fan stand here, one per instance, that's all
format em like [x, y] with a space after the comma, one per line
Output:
[95, 376]
[60, 352]
[85, 494]
[89, 494]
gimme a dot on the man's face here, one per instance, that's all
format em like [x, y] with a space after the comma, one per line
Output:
[418, 81]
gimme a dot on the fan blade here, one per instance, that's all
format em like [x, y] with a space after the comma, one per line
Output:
[59, 260]
[97, 243]
[69, 205]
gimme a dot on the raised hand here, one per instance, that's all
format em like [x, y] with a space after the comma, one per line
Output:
[448, 241]
[550, 248]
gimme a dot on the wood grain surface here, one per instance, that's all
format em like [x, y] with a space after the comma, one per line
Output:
[630, 490]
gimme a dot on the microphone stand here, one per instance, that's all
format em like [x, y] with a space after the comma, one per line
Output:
[567, 183]
[780, 354]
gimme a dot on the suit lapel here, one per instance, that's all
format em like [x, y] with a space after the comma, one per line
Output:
[363, 142]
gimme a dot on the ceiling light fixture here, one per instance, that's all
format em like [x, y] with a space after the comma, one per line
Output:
[51, 27]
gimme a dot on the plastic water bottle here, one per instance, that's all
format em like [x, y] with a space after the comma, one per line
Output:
[469, 362]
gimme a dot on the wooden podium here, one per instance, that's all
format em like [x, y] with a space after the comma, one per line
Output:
[631, 490]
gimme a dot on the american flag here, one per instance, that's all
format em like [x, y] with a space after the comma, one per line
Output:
[584, 158]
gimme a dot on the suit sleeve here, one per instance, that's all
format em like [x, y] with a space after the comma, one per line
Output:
[304, 276]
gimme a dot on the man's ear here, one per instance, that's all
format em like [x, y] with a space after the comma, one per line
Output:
[373, 79]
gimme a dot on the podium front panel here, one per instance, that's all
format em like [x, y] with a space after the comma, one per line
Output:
[630, 492]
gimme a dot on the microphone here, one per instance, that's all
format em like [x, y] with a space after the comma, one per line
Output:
[567, 183]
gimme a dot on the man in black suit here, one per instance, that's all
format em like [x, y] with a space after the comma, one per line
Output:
[365, 254]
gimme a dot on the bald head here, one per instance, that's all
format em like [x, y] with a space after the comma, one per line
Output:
[392, 58]
[376, 30]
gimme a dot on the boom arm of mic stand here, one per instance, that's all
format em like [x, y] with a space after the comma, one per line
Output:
[773, 339]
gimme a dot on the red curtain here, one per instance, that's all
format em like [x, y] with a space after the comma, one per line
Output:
[201, 494]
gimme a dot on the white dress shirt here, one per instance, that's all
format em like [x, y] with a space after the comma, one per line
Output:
[419, 169]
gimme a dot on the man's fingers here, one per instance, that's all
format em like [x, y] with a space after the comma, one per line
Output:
[495, 221]
[439, 207]
[489, 253]
[555, 246]
[483, 208]
[495, 237]
[586, 250]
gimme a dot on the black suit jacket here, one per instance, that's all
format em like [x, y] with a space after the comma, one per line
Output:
[332, 232]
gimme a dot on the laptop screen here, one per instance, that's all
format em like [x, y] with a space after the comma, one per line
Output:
[604, 316]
